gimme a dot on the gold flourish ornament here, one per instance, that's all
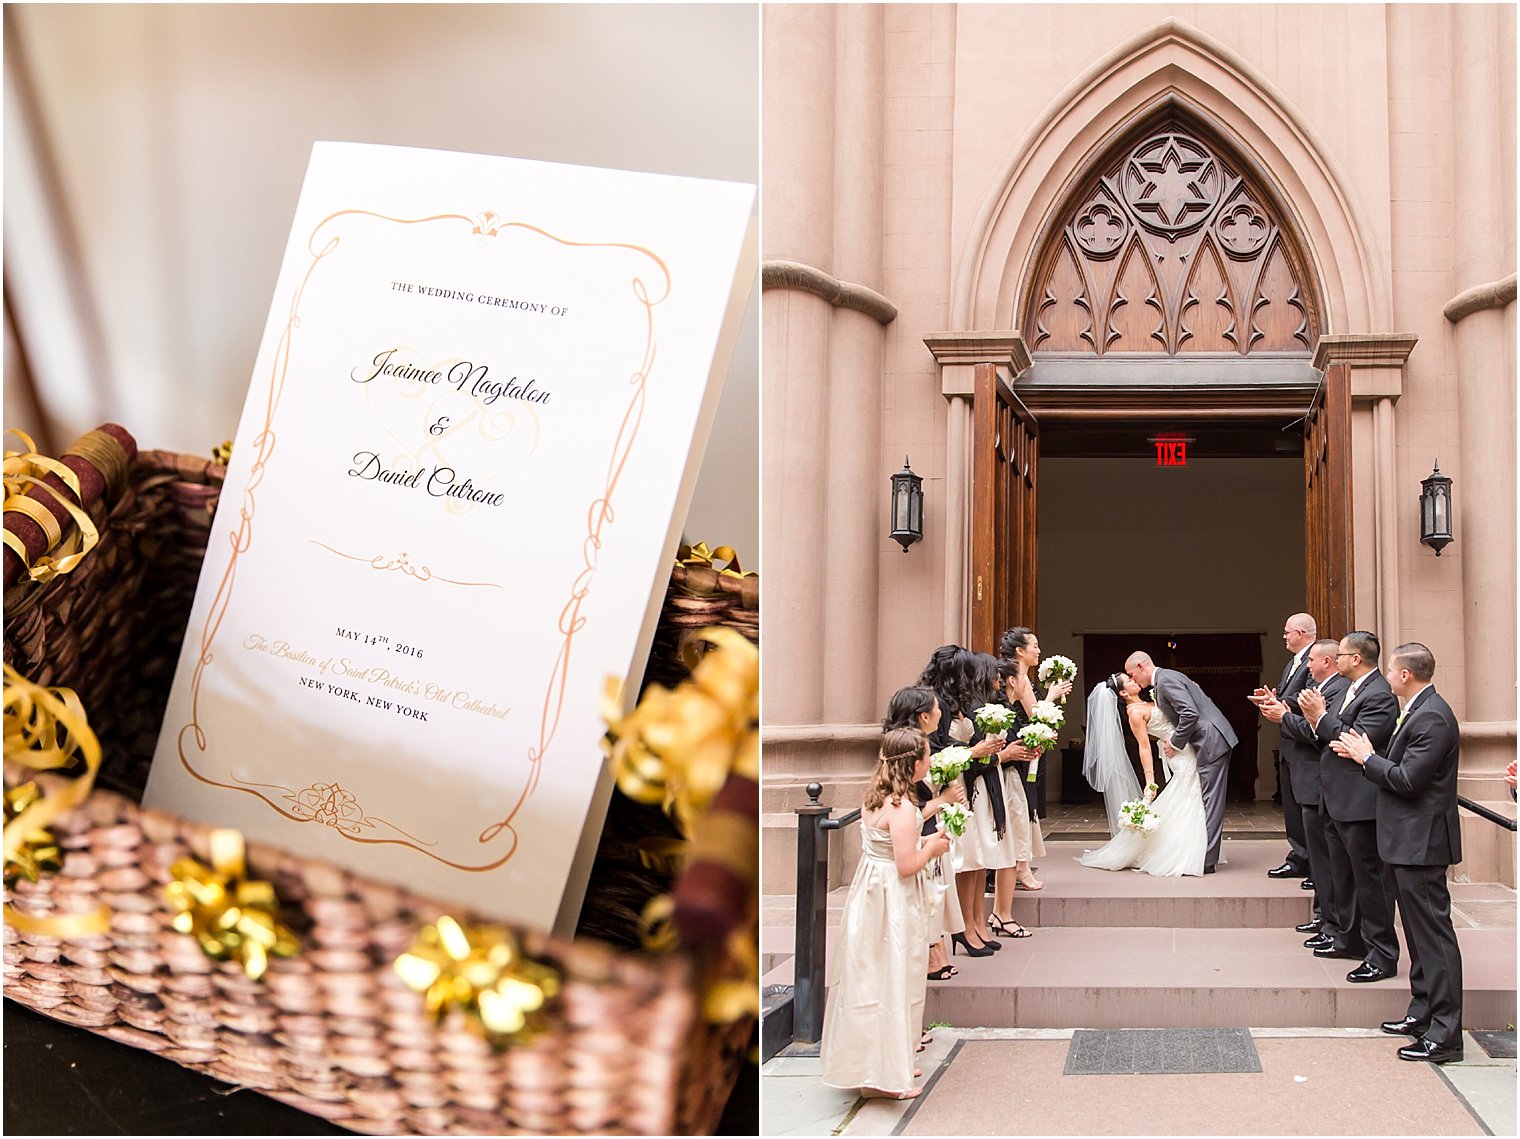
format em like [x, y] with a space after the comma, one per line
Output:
[231, 916]
[481, 971]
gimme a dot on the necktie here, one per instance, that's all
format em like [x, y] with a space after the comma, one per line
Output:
[1350, 692]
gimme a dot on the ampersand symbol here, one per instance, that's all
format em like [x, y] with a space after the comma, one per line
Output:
[440, 427]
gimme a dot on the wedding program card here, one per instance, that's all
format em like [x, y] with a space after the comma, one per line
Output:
[466, 454]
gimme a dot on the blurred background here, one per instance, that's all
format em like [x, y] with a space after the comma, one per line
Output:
[153, 155]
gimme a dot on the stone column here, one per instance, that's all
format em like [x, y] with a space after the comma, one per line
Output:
[1484, 493]
[798, 181]
[856, 486]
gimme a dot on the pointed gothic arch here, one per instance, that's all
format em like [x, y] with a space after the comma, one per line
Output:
[1169, 243]
[1171, 67]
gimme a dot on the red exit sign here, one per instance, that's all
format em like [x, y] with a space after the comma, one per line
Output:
[1171, 450]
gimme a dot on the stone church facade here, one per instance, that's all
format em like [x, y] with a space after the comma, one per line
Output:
[1016, 242]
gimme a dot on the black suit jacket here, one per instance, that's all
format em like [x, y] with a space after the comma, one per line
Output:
[1416, 778]
[1346, 795]
[1303, 747]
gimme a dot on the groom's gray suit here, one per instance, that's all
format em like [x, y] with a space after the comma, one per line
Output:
[1198, 721]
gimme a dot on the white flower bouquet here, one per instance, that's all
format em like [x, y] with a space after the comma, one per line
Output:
[952, 819]
[1041, 737]
[993, 719]
[1049, 713]
[1136, 815]
[1054, 669]
[945, 765]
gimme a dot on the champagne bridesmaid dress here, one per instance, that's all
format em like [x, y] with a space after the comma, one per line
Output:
[875, 1012]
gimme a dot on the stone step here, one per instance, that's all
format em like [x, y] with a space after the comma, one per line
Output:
[1131, 977]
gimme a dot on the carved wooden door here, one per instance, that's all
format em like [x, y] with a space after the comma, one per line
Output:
[1004, 532]
[1327, 503]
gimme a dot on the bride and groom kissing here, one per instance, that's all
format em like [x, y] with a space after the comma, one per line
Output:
[1195, 742]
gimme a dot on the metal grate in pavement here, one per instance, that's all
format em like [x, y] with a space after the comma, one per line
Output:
[1499, 1045]
[1152, 1051]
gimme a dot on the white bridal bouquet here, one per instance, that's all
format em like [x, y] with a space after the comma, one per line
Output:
[1048, 712]
[952, 819]
[992, 719]
[1136, 815]
[945, 765]
[1054, 669]
[1040, 736]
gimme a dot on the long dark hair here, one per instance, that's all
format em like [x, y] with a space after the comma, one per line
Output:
[936, 673]
[906, 705]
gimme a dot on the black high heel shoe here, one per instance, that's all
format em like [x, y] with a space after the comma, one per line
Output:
[958, 942]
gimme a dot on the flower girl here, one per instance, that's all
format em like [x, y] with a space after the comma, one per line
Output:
[874, 1018]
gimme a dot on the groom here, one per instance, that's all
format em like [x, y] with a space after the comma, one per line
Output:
[1198, 722]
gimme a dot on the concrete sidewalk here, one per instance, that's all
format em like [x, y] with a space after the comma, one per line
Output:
[1010, 1082]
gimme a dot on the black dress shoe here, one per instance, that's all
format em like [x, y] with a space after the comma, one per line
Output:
[1287, 870]
[1423, 1049]
[1406, 1027]
[1367, 971]
[1319, 941]
[1332, 951]
[1310, 926]
[1306, 884]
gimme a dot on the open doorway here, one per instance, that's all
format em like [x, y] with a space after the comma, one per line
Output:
[1196, 562]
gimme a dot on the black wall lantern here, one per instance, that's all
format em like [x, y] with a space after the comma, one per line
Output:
[907, 506]
[1435, 510]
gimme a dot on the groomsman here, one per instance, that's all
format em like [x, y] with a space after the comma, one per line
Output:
[1298, 634]
[1419, 836]
[1304, 753]
[1363, 890]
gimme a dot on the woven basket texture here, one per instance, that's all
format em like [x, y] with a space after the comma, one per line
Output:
[333, 1031]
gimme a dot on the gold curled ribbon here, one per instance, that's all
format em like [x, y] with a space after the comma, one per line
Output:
[481, 971]
[704, 555]
[26, 468]
[678, 747]
[46, 729]
[36, 853]
[231, 916]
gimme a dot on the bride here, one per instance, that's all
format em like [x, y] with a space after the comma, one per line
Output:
[1177, 844]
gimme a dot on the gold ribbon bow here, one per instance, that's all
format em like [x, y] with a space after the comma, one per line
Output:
[679, 746]
[36, 853]
[677, 749]
[481, 971]
[233, 917]
[703, 555]
[46, 729]
[27, 468]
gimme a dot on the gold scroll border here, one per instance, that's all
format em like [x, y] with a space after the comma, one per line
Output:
[598, 514]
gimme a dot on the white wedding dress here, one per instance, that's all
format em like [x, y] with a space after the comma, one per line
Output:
[1180, 839]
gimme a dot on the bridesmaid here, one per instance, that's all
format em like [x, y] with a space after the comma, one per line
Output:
[1022, 644]
[964, 683]
[1029, 843]
[916, 707]
[874, 1018]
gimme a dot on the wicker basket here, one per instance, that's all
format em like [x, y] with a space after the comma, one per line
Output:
[332, 1031]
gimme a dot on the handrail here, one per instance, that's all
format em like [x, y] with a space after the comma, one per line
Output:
[813, 827]
[1480, 809]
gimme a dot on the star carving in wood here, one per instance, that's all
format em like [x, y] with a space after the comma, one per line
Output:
[1174, 188]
